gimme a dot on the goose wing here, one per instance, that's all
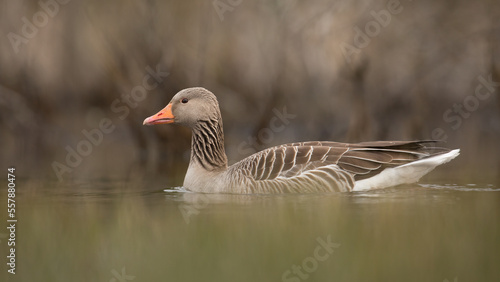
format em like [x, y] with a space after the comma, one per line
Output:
[331, 165]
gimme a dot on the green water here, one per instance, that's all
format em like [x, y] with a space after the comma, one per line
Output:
[120, 231]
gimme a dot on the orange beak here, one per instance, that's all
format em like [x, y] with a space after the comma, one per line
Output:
[162, 117]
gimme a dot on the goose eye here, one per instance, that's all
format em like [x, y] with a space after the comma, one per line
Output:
[185, 100]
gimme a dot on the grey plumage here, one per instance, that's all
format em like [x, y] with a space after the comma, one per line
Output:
[296, 167]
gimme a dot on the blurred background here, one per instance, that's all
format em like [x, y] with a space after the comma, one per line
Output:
[77, 78]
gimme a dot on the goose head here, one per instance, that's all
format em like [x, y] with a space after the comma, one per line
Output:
[188, 107]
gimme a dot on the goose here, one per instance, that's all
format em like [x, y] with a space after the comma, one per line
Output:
[301, 167]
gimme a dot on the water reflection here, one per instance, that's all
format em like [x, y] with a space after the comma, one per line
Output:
[92, 231]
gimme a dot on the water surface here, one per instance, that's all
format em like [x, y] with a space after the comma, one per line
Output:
[123, 231]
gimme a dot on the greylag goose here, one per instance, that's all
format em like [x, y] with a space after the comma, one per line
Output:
[302, 167]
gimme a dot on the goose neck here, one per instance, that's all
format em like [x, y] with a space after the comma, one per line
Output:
[207, 145]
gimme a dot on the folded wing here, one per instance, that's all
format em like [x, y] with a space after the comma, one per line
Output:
[327, 166]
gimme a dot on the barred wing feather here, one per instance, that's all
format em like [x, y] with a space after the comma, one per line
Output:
[326, 166]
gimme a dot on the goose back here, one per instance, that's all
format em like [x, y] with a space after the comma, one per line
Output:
[323, 166]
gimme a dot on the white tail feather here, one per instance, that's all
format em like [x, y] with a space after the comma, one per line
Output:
[404, 174]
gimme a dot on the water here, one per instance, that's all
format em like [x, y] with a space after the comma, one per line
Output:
[121, 231]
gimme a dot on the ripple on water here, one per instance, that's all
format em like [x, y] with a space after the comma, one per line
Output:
[466, 187]
[179, 189]
[448, 186]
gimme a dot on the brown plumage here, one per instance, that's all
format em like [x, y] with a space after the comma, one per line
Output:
[296, 167]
